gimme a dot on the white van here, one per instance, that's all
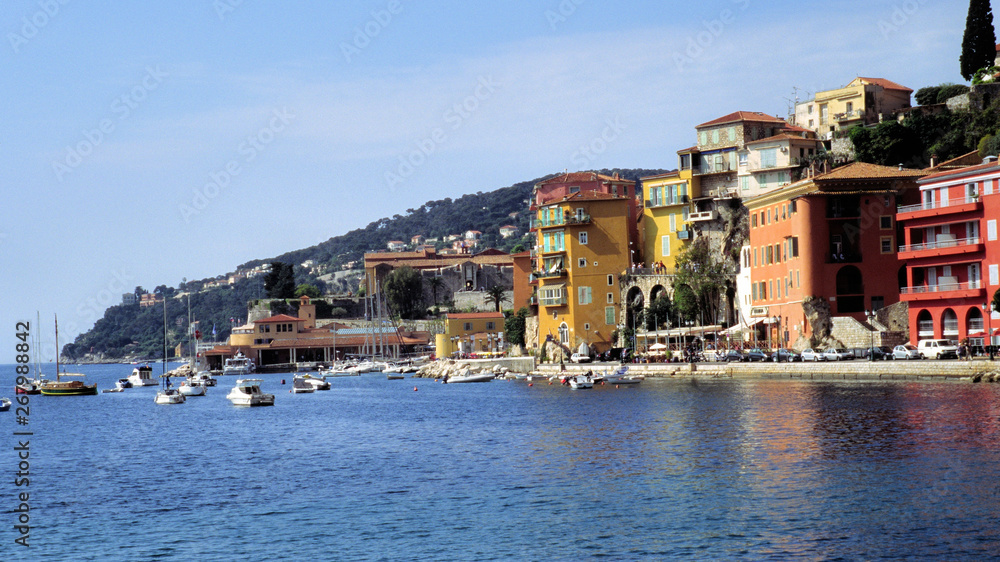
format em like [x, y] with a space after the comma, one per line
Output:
[937, 349]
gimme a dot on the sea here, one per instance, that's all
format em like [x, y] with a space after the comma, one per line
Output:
[377, 469]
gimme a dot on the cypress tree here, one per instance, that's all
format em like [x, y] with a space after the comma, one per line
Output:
[979, 41]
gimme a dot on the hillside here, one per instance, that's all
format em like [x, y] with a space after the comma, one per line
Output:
[129, 331]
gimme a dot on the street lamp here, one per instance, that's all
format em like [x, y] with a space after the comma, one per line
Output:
[870, 315]
[987, 311]
[776, 321]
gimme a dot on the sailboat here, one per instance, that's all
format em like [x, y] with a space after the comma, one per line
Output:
[68, 388]
[32, 386]
[166, 395]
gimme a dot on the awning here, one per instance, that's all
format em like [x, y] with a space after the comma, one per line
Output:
[743, 326]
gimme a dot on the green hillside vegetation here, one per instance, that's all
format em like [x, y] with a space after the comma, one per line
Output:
[130, 331]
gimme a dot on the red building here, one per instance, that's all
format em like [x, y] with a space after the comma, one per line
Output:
[952, 254]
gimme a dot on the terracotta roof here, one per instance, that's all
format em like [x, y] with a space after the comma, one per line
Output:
[572, 177]
[959, 161]
[279, 318]
[797, 129]
[865, 171]
[783, 136]
[887, 84]
[472, 315]
[507, 226]
[959, 172]
[742, 116]
[688, 149]
[590, 196]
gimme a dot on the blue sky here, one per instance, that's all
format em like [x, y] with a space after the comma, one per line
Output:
[146, 142]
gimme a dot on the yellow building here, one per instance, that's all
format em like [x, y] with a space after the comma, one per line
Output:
[665, 217]
[471, 332]
[583, 244]
[863, 101]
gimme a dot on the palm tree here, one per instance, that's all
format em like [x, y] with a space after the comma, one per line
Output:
[435, 283]
[496, 295]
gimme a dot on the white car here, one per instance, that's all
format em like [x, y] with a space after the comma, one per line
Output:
[580, 358]
[906, 351]
[834, 354]
[810, 354]
[938, 349]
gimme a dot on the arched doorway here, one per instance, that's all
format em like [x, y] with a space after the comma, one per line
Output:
[850, 290]
[925, 325]
[974, 328]
[949, 324]
[564, 334]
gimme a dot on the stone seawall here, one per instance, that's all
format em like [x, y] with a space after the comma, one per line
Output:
[847, 370]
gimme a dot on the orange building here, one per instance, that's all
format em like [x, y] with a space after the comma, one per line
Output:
[826, 244]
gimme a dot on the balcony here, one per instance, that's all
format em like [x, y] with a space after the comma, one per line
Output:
[553, 301]
[702, 216]
[544, 223]
[793, 162]
[943, 246]
[713, 168]
[550, 274]
[945, 289]
[937, 208]
[582, 218]
[849, 116]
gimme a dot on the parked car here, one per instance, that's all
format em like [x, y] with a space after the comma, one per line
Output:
[580, 358]
[883, 353]
[906, 351]
[838, 354]
[810, 354]
[938, 349]
[757, 354]
[785, 355]
[733, 355]
[623, 354]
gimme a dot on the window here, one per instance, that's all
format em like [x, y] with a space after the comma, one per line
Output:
[743, 158]
[753, 220]
[850, 106]
[673, 222]
[878, 303]
[755, 257]
[769, 158]
[467, 326]
[771, 287]
[744, 183]
[665, 245]
[792, 206]
[584, 295]
[574, 189]
[994, 275]
[885, 222]
[886, 244]
[582, 262]
[971, 192]
[754, 291]
[769, 216]
[611, 298]
[609, 315]
[586, 326]
[991, 230]
[732, 134]
[583, 238]
[798, 281]
[795, 246]
[491, 325]
[715, 136]
[611, 279]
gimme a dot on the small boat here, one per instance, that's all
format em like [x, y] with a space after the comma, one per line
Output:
[318, 382]
[142, 376]
[204, 377]
[619, 377]
[301, 386]
[4, 404]
[580, 382]
[394, 376]
[247, 393]
[238, 365]
[468, 376]
[68, 388]
[120, 386]
[29, 386]
[191, 388]
[168, 395]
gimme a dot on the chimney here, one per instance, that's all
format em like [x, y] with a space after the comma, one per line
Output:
[900, 167]
[934, 158]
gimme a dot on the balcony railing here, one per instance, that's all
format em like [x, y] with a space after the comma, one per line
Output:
[975, 325]
[941, 288]
[925, 326]
[713, 168]
[849, 115]
[550, 273]
[792, 162]
[702, 216]
[556, 301]
[578, 219]
[951, 243]
[927, 205]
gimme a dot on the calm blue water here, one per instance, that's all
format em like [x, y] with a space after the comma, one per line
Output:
[373, 470]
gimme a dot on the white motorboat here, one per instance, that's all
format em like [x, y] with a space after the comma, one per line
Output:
[192, 388]
[168, 395]
[580, 382]
[394, 376]
[247, 392]
[468, 376]
[238, 365]
[301, 386]
[366, 367]
[619, 377]
[204, 377]
[318, 382]
[120, 386]
[142, 376]
[4, 404]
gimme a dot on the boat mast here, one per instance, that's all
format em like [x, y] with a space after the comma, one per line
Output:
[56, 316]
[164, 367]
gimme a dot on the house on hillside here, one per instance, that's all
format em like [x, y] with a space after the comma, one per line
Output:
[508, 230]
[864, 101]
[396, 245]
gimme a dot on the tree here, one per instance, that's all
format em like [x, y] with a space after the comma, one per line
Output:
[995, 305]
[702, 271]
[514, 326]
[496, 295]
[685, 303]
[979, 41]
[436, 284]
[404, 291]
[308, 290]
[927, 95]
[658, 312]
[280, 281]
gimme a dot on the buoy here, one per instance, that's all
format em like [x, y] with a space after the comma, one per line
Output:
[550, 383]
[414, 389]
[531, 384]
[616, 386]
[282, 381]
